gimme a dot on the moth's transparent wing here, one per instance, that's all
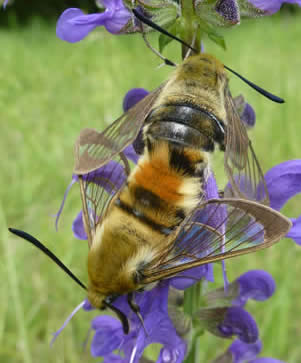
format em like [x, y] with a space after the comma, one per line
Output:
[94, 149]
[218, 229]
[246, 179]
[98, 189]
[101, 164]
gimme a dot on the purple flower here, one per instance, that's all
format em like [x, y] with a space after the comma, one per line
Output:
[159, 328]
[272, 6]
[239, 322]
[255, 284]
[73, 25]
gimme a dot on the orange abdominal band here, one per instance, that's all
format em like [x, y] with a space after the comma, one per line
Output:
[157, 177]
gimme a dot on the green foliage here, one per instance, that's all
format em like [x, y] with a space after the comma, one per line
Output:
[49, 91]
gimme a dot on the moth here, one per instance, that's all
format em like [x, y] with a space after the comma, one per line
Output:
[153, 222]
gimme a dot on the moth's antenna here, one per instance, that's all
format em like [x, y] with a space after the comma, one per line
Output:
[47, 252]
[155, 26]
[265, 93]
[122, 317]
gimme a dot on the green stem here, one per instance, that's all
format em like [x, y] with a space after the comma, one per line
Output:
[187, 23]
[192, 299]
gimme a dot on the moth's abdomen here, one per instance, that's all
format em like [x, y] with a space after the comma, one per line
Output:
[185, 124]
[165, 186]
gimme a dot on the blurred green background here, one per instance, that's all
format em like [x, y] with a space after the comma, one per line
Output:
[49, 91]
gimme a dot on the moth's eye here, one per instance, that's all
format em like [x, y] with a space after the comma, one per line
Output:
[111, 298]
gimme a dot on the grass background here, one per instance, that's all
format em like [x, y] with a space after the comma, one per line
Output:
[49, 90]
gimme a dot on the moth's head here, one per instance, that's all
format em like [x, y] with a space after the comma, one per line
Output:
[204, 68]
[96, 299]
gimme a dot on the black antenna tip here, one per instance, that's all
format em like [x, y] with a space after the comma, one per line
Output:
[169, 63]
[29, 238]
[265, 93]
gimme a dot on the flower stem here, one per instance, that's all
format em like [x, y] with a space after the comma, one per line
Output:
[192, 301]
[189, 28]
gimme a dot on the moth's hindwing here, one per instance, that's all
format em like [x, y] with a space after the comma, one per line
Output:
[218, 229]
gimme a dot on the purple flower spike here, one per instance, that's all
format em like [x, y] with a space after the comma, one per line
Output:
[5, 3]
[239, 322]
[272, 6]
[73, 25]
[254, 284]
[242, 351]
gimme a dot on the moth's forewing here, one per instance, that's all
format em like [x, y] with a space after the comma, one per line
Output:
[246, 179]
[94, 149]
[98, 188]
[100, 163]
[228, 228]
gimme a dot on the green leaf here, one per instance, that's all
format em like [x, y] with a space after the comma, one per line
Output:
[164, 40]
[217, 39]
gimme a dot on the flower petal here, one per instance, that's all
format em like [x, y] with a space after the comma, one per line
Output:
[108, 335]
[78, 227]
[120, 17]
[242, 351]
[133, 96]
[255, 284]
[73, 25]
[283, 182]
[239, 322]
[87, 306]
[66, 322]
[272, 6]
[248, 116]
[191, 276]
[295, 231]
[58, 214]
